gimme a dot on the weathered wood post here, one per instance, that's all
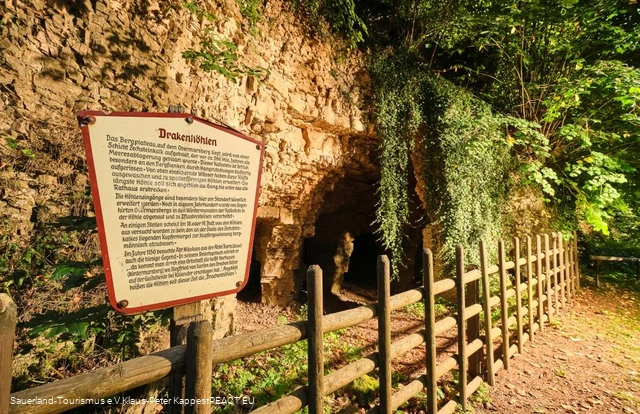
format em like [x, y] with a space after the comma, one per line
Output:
[486, 302]
[575, 256]
[430, 324]
[504, 305]
[597, 273]
[8, 320]
[384, 333]
[568, 264]
[563, 272]
[516, 247]
[473, 328]
[462, 333]
[554, 260]
[199, 367]
[315, 341]
[183, 316]
[529, 289]
[540, 283]
[548, 276]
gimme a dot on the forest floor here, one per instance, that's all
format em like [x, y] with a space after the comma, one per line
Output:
[587, 360]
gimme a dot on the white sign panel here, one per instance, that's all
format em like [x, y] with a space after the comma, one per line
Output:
[176, 200]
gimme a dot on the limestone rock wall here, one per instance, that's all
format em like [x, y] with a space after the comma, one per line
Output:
[61, 56]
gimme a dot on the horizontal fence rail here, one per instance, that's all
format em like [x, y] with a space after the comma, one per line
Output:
[543, 284]
[599, 259]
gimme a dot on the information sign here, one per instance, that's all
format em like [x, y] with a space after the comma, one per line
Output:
[175, 199]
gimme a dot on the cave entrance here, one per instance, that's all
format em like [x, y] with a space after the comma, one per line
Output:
[346, 245]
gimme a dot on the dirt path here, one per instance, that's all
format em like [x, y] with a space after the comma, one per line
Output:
[587, 361]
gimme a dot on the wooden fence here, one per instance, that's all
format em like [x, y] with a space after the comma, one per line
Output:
[551, 278]
[599, 259]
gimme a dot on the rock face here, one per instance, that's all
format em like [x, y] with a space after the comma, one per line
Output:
[58, 57]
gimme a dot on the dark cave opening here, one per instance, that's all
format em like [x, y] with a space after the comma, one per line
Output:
[362, 263]
[252, 291]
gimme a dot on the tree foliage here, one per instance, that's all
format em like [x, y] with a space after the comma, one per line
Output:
[564, 76]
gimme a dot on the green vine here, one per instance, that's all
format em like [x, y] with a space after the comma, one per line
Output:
[463, 147]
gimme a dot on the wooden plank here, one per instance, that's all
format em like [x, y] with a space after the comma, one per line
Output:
[472, 349]
[615, 258]
[449, 408]
[103, 382]
[430, 322]
[384, 334]
[474, 384]
[496, 331]
[8, 320]
[446, 366]
[518, 281]
[473, 310]
[472, 275]
[315, 344]
[486, 303]
[443, 285]
[513, 349]
[199, 367]
[404, 394]
[462, 333]
[498, 365]
[529, 268]
[445, 324]
[503, 302]
[540, 282]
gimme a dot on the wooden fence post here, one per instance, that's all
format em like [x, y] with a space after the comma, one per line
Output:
[199, 367]
[183, 316]
[516, 247]
[569, 272]
[504, 305]
[529, 289]
[486, 296]
[597, 273]
[575, 256]
[540, 282]
[574, 274]
[473, 329]
[462, 333]
[563, 273]
[384, 334]
[548, 276]
[430, 323]
[8, 320]
[556, 285]
[315, 348]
